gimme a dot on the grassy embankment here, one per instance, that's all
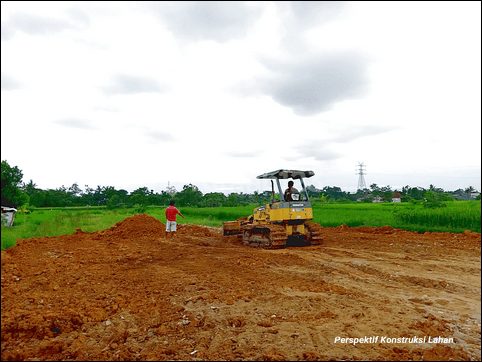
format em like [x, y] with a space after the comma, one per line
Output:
[458, 216]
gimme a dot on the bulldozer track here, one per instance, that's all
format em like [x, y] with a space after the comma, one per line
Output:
[264, 236]
[274, 236]
[314, 233]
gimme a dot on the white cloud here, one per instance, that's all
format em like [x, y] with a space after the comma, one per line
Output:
[9, 83]
[216, 93]
[128, 84]
[311, 86]
[206, 20]
[76, 123]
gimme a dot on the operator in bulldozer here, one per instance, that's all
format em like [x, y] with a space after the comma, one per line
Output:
[291, 194]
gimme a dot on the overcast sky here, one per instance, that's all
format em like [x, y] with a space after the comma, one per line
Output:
[134, 94]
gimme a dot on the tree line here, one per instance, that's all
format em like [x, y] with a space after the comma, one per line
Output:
[16, 193]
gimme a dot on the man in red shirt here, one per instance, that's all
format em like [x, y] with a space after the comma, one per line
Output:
[171, 213]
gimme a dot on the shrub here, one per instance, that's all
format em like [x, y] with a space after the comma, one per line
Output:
[140, 209]
[113, 202]
[433, 200]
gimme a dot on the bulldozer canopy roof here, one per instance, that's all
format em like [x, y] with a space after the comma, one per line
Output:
[283, 174]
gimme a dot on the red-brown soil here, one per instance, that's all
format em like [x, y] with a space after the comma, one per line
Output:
[127, 293]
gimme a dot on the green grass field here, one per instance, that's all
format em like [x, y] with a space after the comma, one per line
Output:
[457, 217]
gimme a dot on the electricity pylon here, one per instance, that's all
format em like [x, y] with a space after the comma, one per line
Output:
[361, 180]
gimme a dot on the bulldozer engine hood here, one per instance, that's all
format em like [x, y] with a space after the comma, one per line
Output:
[284, 174]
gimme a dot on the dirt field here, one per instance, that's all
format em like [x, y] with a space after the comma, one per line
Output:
[127, 293]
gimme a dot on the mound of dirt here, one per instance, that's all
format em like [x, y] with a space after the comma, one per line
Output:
[135, 227]
[128, 293]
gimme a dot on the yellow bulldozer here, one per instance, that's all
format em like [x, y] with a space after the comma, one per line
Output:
[285, 221]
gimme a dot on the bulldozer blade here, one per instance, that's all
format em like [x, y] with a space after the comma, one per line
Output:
[231, 228]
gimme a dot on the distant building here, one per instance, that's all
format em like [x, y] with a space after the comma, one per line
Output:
[8, 215]
[460, 195]
[397, 197]
[377, 199]
[364, 197]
